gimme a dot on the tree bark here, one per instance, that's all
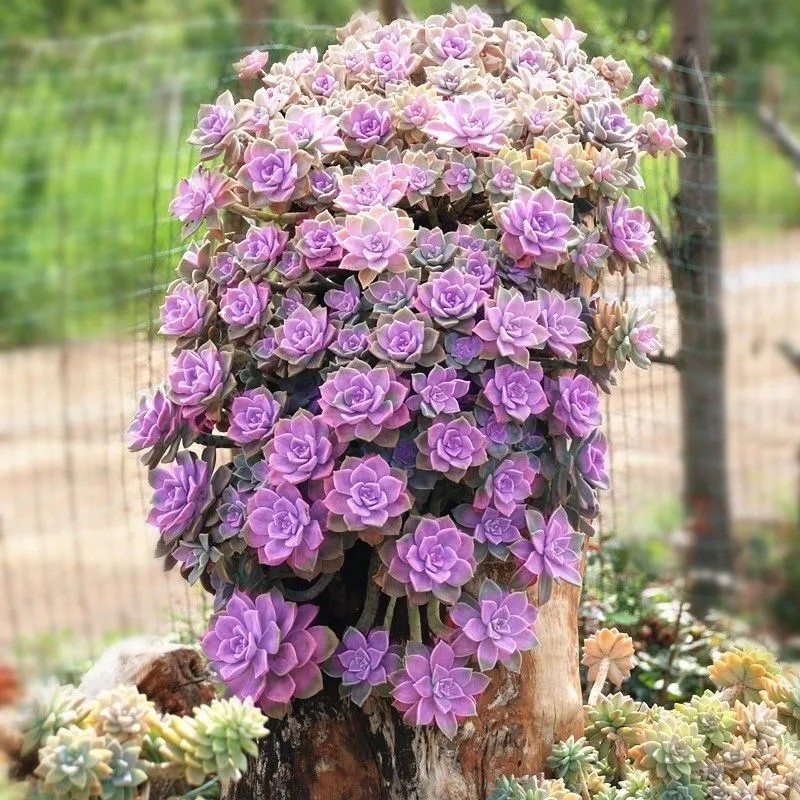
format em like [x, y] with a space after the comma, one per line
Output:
[329, 749]
[696, 269]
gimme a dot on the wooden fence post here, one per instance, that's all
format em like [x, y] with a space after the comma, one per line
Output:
[696, 270]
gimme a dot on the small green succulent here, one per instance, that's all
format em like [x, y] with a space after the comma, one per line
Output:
[671, 750]
[636, 786]
[509, 788]
[572, 760]
[609, 793]
[611, 725]
[786, 696]
[530, 788]
[127, 772]
[714, 718]
[680, 791]
[73, 764]
[216, 741]
[50, 708]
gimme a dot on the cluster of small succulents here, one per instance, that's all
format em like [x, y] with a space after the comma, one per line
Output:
[736, 743]
[674, 649]
[390, 320]
[112, 747]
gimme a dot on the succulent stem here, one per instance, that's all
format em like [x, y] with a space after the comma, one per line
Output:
[414, 622]
[389, 615]
[584, 788]
[435, 624]
[599, 681]
[315, 590]
[372, 597]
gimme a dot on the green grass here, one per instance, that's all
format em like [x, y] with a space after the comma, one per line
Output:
[91, 147]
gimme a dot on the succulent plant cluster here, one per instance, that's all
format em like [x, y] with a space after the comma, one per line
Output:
[112, 747]
[737, 743]
[389, 319]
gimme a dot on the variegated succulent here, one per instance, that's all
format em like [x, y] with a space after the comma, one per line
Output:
[624, 333]
[217, 740]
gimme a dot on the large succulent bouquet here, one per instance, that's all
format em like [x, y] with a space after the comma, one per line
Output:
[389, 325]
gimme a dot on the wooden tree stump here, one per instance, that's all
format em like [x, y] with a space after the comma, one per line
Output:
[329, 749]
[173, 676]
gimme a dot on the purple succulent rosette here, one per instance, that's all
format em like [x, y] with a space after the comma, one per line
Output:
[498, 626]
[562, 319]
[434, 559]
[267, 649]
[451, 446]
[303, 338]
[435, 687]
[515, 393]
[511, 327]
[363, 662]
[155, 428]
[199, 380]
[367, 496]
[387, 332]
[510, 484]
[551, 553]
[362, 402]
[187, 310]
[493, 531]
[575, 405]
[629, 234]
[252, 416]
[300, 449]
[283, 528]
[537, 227]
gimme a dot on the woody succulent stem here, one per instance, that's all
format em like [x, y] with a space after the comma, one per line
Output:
[599, 682]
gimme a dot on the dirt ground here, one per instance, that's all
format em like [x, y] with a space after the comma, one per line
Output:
[76, 554]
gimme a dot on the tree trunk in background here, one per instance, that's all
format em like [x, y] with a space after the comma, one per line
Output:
[327, 749]
[390, 10]
[253, 17]
[696, 270]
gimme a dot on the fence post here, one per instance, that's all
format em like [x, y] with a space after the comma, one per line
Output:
[696, 271]
[390, 10]
[253, 16]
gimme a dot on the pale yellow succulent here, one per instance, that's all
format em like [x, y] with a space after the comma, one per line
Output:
[743, 674]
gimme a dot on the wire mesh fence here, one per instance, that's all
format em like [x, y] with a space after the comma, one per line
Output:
[92, 143]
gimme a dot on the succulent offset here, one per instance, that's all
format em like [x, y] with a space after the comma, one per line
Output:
[388, 315]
